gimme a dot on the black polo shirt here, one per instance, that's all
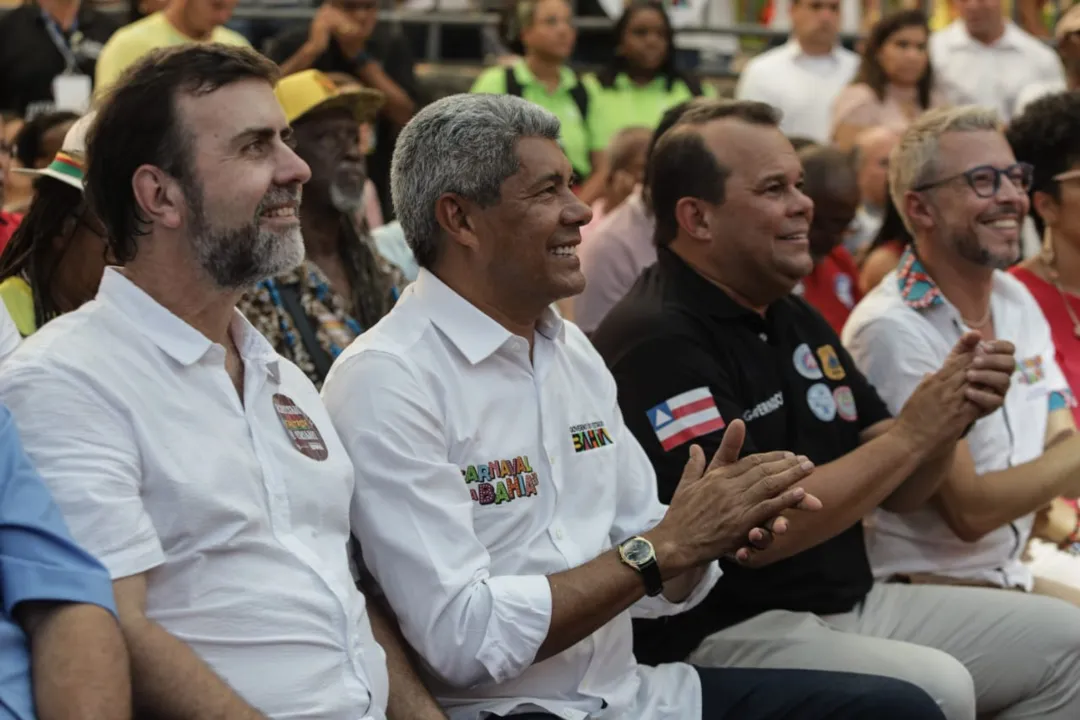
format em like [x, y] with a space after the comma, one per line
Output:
[787, 376]
[29, 59]
[388, 47]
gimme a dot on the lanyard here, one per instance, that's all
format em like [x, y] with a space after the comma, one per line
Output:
[71, 62]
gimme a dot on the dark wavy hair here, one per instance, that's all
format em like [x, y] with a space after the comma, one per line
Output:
[870, 71]
[30, 141]
[1045, 136]
[668, 68]
[32, 252]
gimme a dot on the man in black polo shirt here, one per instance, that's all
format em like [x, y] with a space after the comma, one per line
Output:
[46, 40]
[710, 334]
[345, 37]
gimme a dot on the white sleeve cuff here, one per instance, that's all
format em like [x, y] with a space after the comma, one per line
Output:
[659, 606]
[517, 626]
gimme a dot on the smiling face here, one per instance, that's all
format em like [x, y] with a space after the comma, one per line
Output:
[760, 232]
[243, 189]
[984, 231]
[528, 240]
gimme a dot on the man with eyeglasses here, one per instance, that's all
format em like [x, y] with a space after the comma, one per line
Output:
[963, 196]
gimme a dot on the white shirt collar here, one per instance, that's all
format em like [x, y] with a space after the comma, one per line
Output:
[173, 336]
[475, 333]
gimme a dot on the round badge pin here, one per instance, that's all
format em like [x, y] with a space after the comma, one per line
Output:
[845, 403]
[821, 402]
[301, 430]
[806, 364]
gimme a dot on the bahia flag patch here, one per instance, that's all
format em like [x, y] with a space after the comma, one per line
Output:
[684, 417]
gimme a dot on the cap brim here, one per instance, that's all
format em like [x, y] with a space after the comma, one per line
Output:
[363, 103]
[50, 173]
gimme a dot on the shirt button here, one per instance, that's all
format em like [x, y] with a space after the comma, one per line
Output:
[558, 534]
[551, 459]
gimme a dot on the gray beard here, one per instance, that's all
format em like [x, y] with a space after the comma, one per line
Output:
[239, 258]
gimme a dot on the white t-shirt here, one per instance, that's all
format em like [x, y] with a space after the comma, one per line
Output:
[993, 76]
[905, 329]
[804, 87]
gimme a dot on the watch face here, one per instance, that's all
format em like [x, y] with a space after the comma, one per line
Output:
[637, 551]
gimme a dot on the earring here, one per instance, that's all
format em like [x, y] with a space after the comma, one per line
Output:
[1046, 252]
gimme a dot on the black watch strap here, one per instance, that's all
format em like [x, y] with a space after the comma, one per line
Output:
[650, 575]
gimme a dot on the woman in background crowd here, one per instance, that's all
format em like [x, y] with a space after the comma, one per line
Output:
[883, 253]
[55, 259]
[543, 34]
[35, 144]
[642, 82]
[1045, 136]
[9, 126]
[894, 83]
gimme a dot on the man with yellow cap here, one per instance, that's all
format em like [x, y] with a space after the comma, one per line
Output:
[343, 286]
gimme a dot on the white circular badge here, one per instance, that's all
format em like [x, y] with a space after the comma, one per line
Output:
[821, 402]
[806, 364]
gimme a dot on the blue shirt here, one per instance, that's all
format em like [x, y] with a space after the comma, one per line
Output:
[38, 561]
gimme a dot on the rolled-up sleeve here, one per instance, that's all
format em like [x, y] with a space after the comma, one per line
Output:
[85, 451]
[639, 510]
[39, 560]
[414, 519]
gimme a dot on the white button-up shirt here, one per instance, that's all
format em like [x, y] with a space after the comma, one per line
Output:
[905, 329]
[804, 87]
[158, 465]
[479, 473]
[993, 76]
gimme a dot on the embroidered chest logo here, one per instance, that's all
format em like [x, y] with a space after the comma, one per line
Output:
[830, 362]
[301, 430]
[1031, 370]
[501, 481]
[590, 436]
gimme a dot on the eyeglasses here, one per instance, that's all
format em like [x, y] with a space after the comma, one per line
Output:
[985, 180]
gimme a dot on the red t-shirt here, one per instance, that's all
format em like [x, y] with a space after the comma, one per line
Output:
[1066, 344]
[833, 287]
[8, 223]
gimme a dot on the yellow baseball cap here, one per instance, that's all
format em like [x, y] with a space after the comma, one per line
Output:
[310, 90]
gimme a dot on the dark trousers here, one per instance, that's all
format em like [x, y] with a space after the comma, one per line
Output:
[752, 694]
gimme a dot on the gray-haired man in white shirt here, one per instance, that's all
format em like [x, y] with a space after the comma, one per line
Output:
[508, 515]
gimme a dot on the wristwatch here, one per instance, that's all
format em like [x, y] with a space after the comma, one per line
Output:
[638, 553]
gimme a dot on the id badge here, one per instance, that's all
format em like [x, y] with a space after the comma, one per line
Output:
[72, 92]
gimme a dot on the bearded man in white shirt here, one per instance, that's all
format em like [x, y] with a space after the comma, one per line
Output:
[508, 515]
[198, 465]
[963, 196]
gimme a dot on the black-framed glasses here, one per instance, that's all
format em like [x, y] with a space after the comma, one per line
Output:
[985, 180]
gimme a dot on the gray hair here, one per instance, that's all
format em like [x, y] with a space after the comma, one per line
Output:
[915, 160]
[462, 144]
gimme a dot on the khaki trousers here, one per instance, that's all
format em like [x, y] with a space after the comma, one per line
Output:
[976, 651]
